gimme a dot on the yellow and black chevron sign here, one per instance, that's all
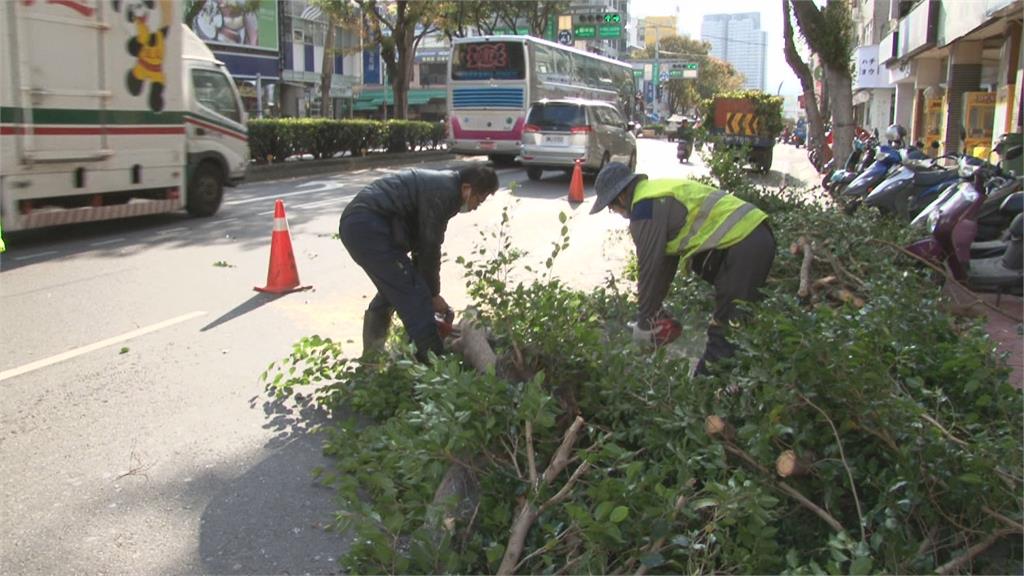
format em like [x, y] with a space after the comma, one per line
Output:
[741, 123]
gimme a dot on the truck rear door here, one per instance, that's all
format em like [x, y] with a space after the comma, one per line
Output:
[58, 91]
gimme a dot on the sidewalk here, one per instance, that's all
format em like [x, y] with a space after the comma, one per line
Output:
[1004, 329]
[1007, 333]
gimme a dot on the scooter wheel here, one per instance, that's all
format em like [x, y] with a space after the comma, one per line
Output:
[850, 206]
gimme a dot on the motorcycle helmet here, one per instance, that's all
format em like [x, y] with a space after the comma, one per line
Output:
[895, 133]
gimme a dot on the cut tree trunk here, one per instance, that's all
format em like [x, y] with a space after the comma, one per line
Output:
[789, 464]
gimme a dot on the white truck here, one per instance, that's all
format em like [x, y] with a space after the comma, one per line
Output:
[111, 109]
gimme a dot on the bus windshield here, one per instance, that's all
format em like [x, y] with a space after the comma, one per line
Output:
[488, 61]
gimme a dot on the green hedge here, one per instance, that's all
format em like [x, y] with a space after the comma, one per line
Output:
[274, 140]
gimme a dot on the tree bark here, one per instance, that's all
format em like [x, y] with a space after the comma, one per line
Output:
[815, 124]
[327, 72]
[840, 92]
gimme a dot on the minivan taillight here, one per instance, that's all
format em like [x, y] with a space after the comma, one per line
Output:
[585, 129]
[531, 128]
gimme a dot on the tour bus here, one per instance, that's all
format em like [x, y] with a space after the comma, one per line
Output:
[494, 79]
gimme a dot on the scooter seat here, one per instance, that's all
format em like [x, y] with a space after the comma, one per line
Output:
[988, 249]
[1014, 203]
[930, 178]
[991, 275]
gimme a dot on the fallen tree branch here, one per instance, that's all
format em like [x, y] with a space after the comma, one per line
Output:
[528, 511]
[805, 268]
[846, 465]
[945, 272]
[660, 542]
[530, 458]
[785, 488]
[942, 429]
[956, 564]
[789, 464]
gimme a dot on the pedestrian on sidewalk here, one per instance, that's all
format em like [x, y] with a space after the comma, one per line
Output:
[393, 229]
[723, 239]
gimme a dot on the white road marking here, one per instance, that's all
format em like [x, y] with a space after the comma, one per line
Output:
[273, 197]
[105, 242]
[96, 346]
[317, 204]
[169, 230]
[36, 255]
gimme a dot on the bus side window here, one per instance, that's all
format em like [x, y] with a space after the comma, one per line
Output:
[543, 61]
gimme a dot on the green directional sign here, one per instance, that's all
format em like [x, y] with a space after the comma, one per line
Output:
[584, 32]
[675, 74]
[609, 31]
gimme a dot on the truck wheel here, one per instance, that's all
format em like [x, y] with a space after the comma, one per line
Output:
[534, 173]
[205, 192]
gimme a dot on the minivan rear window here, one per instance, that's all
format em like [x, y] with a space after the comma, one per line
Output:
[557, 116]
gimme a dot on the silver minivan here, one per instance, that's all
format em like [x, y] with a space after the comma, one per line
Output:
[558, 132]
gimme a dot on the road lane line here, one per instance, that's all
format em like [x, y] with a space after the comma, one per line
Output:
[318, 203]
[273, 197]
[175, 229]
[105, 242]
[96, 346]
[36, 255]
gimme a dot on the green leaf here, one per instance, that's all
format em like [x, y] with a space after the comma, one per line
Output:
[562, 217]
[619, 514]
[861, 565]
[702, 503]
[971, 478]
[602, 510]
[652, 560]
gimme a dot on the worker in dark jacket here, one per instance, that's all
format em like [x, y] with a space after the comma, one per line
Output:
[725, 240]
[402, 213]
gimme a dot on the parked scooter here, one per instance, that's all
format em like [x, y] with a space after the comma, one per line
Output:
[953, 229]
[992, 218]
[887, 159]
[862, 155]
[912, 187]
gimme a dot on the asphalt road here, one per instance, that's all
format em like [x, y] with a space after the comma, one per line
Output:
[134, 433]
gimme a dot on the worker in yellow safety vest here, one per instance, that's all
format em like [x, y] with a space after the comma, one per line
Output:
[725, 240]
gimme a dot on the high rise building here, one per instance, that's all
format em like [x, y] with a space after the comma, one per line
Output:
[739, 40]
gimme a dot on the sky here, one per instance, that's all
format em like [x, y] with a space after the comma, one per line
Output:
[691, 13]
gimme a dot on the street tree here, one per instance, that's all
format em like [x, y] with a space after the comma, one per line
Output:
[535, 13]
[337, 13]
[815, 126]
[462, 19]
[829, 34]
[398, 27]
[714, 76]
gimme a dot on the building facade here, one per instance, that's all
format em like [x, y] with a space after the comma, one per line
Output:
[874, 99]
[958, 70]
[739, 40]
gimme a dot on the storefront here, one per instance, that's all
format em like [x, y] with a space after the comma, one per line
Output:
[244, 35]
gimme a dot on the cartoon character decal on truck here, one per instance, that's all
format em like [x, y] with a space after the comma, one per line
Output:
[147, 46]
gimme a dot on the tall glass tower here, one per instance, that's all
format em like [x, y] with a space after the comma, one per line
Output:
[739, 40]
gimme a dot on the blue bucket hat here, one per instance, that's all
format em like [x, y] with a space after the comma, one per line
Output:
[612, 181]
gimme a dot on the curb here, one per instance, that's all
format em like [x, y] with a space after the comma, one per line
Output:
[300, 168]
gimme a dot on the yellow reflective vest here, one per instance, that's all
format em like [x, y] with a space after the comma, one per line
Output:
[714, 218]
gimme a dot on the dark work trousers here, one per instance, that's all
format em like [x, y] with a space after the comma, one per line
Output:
[737, 273]
[367, 237]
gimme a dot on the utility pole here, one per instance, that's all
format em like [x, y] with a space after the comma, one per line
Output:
[656, 76]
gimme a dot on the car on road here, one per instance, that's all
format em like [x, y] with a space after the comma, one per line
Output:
[560, 131]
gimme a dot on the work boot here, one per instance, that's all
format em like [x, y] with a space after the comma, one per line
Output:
[375, 331]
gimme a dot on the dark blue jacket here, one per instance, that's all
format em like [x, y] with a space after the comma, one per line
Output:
[418, 203]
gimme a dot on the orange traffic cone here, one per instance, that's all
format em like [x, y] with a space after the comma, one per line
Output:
[283, 276]
[576, 184]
